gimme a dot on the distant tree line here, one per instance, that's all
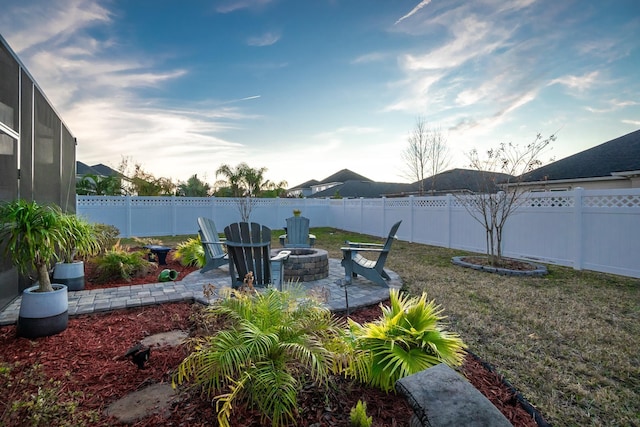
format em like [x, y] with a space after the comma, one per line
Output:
[239, 181]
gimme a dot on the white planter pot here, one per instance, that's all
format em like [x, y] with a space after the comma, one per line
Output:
[43, 313]
[70, 274]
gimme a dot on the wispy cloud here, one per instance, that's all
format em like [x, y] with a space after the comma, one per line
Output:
[233, 5]
[632, 122]
[266, 39]
[32, 23]
[370, 57]
[613, 105]
[580, 83]
[413, 11]
[95, 87]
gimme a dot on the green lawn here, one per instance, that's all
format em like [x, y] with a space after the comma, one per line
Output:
[568, 341]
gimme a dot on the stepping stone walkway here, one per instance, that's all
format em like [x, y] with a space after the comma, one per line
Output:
[154, 399]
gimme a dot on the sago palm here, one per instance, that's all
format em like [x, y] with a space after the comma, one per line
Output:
[407, 338]
[270, 342]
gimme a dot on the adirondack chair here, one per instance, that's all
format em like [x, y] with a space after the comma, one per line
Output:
[249, 248]
[297, 233]
[214, 253]
[354, 263]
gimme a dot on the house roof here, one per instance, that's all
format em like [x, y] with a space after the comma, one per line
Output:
[306, 184]
[105, 170]
[343, 176]
[618, 155]
[83, 169]
[465, 179]
[369, 189]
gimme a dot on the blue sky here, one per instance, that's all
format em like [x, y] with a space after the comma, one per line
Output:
[308, 87]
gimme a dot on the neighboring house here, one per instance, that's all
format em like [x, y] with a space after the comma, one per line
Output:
[613, 164]
[367, 189]
[310, 188]
[464, 180]
[347, 184]
[100, 169]
[302, 190]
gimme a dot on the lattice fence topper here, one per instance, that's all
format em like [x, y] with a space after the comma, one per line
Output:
[547, 201]
[372, 202]
[611, 201]
[430, 203]
[401, 203]
[105, 201]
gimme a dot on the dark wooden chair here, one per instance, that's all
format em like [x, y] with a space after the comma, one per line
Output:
[249, 249]
[213, 246]
[297, 233]
[354, 263]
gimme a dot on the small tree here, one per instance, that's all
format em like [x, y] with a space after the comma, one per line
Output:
[500, 175]
[426, 155]
[245, 184]
[97, 185]
[194, 187]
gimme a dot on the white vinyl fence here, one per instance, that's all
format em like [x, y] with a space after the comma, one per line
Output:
[585, 229]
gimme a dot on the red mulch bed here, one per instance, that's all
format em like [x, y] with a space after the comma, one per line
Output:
[87, 358]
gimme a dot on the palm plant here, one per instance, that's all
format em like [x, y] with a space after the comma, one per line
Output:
[191, 252]
[31, 235]
[81, 236]
[271, 341]
[405, 340]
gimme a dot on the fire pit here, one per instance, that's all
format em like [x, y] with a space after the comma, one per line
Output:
[305, 264]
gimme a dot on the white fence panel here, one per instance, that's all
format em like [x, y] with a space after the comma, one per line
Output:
[611, 232]
[594, 229]
[542, 229]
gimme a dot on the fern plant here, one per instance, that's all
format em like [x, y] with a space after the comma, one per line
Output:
[271, 342]
[118, 263]
[358, 416]
[190, 252]
[407, 338]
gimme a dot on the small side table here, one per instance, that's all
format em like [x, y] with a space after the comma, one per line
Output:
[159, 252]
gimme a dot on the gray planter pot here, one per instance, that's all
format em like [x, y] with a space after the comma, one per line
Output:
[70, 274]
[43, 313]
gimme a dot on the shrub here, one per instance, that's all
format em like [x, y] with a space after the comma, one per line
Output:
[190, 252]
[358, 416]
[406, 339]
[267, 345]
[45, 402]
[117, 263]
[107, 236]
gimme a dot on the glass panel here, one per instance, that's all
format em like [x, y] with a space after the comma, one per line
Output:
[46, 153]
[26, 150]
[68, 171]
[9, 88]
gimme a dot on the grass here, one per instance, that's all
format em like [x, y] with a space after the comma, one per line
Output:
[568, 341]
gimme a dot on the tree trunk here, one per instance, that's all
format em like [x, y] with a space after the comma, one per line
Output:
[43, 278]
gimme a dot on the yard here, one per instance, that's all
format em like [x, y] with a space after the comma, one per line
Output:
[568, 341]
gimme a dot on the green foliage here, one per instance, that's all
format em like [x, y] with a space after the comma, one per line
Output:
[107, 236]
[358, 416]
[32, 235]
[118, 263]
[406, 339]
[46, 403]
[81, 238]
[271, 342]
[190, 252]
[98, 185]
[194, 187]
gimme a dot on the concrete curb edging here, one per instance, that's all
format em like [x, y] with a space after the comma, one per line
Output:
[540, 269]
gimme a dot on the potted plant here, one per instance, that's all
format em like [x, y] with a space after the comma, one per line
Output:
[81, 242]
[31, 235]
